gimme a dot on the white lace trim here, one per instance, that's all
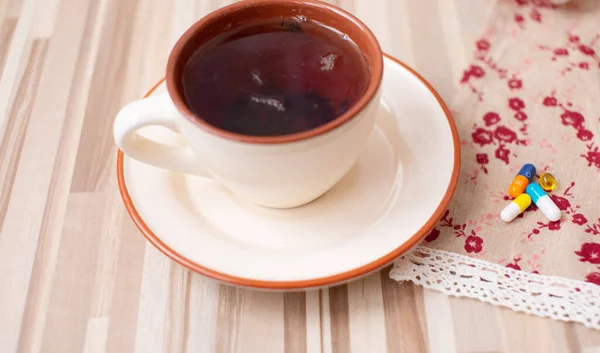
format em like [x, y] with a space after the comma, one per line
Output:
[463, 276]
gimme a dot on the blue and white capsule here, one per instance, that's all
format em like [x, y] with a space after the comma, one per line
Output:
[543, 202]
[528, 171]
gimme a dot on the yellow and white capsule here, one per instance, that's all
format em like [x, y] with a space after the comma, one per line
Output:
[515, 207]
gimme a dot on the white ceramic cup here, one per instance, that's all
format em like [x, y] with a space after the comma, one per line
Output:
[273, 171]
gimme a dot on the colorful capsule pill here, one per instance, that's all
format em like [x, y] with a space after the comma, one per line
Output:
[515, 207]
[547, 182]
[521, 181]
[518, 186]
[543, 202]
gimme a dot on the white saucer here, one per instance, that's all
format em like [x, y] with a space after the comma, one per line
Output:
[386, 204]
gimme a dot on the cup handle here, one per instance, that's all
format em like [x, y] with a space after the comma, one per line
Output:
[159, 110]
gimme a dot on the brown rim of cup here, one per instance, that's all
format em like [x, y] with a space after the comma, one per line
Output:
[236, 14]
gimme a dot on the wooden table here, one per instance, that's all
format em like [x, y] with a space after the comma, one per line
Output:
[76, 275]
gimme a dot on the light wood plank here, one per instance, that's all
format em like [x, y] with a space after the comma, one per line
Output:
[564, 337]
[314, 322]
[50, 233]
[7, 29]
[73, 282]
[96, 147]
[366, 316]
[440, 327]
[177, 321]
[25, 213]
[95, 337]
[483, 337]
[202, 314]
[430, 50]
[108, 254]
[376, 15]
[524, 333]
[184, 14]
[325, 316]
[153, 303]
[453, 37]
[587, 339]
[250, 321]
[122, 330]
[339, 319]
[149, 48]
[294, 322]
[44, 18]
[12, 68]
[13, 8]
[404, 311]
[402, 47]
[17, 122]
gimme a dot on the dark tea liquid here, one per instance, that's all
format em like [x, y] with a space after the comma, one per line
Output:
[275, 78]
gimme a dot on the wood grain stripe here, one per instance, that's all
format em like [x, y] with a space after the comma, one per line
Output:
[339, 318]
[404, 312]
[452, 32]
[19, 45]
[524, 335]
[366, 315]
[402, 46]
[44, 18]
[564, 337]
[96, 147]
[73, 284]
[202, 314]
[25, 214]
[7, 28]
[430, 51]
[485, 336]
[17, 122]
[148, 48]
[126, 293]
[587, 338]
[294, 322]
[440, 328]
[15, 7]
[179, 305]
[95, 337]
[325, 322]
[153, 302]
[230, 312]
[108, 251]
[314, 322]
[184, 13]
[51, 228]
[245, 325]
[472, 27]
[375, 15]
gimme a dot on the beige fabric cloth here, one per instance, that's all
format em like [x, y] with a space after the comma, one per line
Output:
[530, 95]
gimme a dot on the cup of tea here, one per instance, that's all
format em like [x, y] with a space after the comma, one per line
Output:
[275, 98]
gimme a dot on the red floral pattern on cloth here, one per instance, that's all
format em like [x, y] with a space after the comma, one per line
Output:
[530, 95]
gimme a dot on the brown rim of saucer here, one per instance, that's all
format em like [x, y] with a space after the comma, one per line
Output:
[316, 282]
[235, 15]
